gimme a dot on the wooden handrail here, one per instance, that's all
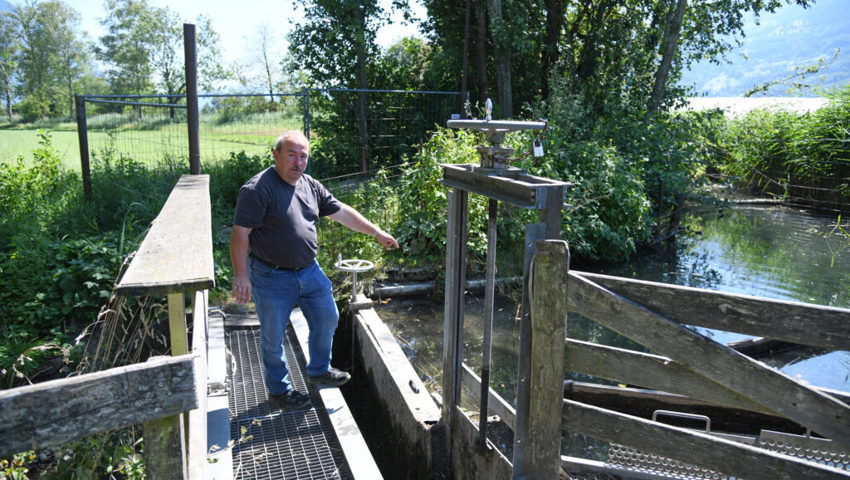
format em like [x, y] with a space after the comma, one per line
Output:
[57, 411]
[176, 255]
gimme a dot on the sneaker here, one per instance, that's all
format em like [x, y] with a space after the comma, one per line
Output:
[290, 400]
[332, 377]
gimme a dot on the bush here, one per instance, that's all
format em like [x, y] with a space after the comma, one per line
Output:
[802, 157]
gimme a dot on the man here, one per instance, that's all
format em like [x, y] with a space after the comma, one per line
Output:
[273, 251]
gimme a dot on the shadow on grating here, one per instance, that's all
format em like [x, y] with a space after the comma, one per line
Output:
[271, 443]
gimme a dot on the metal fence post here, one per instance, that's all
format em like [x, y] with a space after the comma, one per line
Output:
[190, 51]
[83, 137]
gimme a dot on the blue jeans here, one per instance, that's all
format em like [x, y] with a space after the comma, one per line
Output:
[275, 293]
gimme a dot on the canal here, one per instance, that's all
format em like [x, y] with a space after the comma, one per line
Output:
[750, 249]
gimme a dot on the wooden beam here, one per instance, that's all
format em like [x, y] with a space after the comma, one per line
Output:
[176, 254]
[659, 373]
[542, 448]
[718, 363]
[177, 324]
[54, 412]
[165, 448]
[643, 403]
[807, 324]
[650, 371]
[496, 404]
[692, 447]
[196, 431]
[456, 237]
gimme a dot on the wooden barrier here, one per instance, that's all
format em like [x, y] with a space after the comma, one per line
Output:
[58, 411]
[697, 367]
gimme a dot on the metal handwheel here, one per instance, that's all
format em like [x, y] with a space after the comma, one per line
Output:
[354, 266]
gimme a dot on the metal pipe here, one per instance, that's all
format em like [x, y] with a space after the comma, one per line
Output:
[489, 293]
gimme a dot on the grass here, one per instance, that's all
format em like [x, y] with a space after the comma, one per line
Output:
[19, 141]
[148, 142]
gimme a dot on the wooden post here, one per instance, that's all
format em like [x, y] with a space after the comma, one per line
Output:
[165, 448]
[548, 334]
[83, 137]
[548, 228]
[177, 324]
[456, 234]
[190, 51]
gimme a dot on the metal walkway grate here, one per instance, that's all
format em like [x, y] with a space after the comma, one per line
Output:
[271, 443]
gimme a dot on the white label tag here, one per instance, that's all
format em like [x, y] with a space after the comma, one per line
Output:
[538, 148]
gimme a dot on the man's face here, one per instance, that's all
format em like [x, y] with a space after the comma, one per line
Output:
[291, 160]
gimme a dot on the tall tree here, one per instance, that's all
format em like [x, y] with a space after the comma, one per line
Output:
[551, 43]
[334, 42]
[143, 47]
[264, 61]
[670, 42]
[126, 48]
[46, 65]
[8, 57]
[502, 57]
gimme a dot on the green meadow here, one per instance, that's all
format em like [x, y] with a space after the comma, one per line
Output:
[149, 142]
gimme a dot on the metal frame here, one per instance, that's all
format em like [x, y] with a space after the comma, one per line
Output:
[516, 187]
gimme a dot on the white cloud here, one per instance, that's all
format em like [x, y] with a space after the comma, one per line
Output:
[719, 83]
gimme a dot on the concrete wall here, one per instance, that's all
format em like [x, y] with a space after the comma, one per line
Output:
[398, 416]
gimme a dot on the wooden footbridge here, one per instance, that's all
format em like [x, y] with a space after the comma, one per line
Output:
[186, 402]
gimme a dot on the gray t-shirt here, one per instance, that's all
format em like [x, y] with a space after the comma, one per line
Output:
[283, 217]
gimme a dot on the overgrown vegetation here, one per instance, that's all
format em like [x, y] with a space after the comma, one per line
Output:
[803, 158]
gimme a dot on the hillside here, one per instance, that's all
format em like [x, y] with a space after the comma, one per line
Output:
[791, 37]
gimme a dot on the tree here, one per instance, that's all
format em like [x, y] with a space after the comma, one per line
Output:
[143, 47]
[8, 57]
[50, 57]
[265, 61]
[126, 48]
[630, 50]
[334, 43]
[502, 56]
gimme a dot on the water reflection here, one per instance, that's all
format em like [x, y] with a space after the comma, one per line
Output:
[772, 252]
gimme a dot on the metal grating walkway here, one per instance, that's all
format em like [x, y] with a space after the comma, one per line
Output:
[271, 443]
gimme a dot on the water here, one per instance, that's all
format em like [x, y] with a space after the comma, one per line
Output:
[767, 251]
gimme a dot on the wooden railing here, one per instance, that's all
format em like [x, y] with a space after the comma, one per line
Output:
[167, 395]
[686, 366]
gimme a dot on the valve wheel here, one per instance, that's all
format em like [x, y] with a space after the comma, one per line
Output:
[354, 265]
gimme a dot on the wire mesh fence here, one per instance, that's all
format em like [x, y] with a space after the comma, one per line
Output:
[345, 139]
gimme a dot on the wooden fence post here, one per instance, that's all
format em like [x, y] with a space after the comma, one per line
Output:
[83, 137]
[549, 273]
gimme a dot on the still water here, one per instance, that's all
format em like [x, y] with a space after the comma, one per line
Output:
[767, 251]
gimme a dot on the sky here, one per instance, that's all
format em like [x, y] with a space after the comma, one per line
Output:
[237, 21]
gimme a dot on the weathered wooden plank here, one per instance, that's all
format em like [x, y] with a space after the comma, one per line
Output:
[54, 412]
[650, 371]
[496, 404]
[456, 236]
[761, 384]
[659, 373]
[176, 254]
[643, 403]
[196, 433]
[795, 322]
[165, 448]
[542, 449]
[696, 448]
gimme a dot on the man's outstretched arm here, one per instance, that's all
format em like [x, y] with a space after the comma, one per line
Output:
[352, 219]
